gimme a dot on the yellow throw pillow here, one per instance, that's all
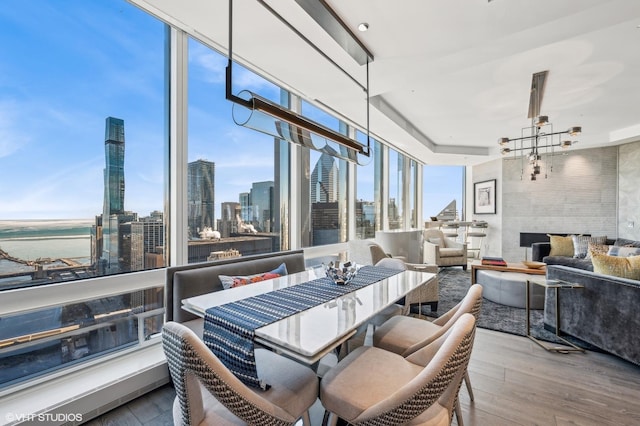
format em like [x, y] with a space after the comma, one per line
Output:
[561, 246]
[623, 267]
[597, 248]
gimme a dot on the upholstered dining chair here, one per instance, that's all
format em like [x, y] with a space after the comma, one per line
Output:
[378, 253]
[405, 335]
[442, 251]
[425, 294]
[207, 393]
[372, 386]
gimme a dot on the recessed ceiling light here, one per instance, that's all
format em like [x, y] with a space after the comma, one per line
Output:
[363, 27]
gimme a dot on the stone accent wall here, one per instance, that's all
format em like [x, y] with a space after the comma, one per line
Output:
[629, 191]
[579, 195]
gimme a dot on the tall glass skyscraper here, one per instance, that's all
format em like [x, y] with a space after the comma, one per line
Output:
[114, 170]
[262, 208]
[324, 180]
[201, 196]
[113, 206]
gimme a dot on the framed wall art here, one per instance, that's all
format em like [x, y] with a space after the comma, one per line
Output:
[484, 197]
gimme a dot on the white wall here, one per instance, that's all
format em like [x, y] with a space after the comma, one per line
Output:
[492, 244]
[629, 191]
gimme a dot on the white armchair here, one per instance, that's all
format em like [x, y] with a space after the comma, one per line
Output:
[442, 251]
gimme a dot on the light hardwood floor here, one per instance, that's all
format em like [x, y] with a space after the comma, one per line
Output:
[515, 382]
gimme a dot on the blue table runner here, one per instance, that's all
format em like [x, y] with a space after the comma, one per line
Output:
[229, 329]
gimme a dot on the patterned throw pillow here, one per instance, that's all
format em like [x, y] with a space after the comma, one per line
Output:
[581, 244]
[597, 248]
[623, 267]
[561, 246]
[623, 251]
[238, 281]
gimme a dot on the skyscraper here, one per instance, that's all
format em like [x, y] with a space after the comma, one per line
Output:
[228, 223]
[201, 196]
[114, 170]
[113, 206]
[324, 180]
[324, 201]
[262, 208]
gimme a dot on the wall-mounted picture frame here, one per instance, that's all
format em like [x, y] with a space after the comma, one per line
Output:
[484, 197]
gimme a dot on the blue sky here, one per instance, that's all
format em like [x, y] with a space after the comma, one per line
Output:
[64, 70]
[61, 74]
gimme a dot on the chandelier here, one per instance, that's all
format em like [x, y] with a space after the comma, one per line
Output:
[537, 140]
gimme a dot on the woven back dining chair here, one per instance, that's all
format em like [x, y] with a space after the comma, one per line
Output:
[372, 386]
[207, 393]
[406, 335]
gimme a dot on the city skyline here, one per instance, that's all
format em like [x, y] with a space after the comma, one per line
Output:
[59, 86]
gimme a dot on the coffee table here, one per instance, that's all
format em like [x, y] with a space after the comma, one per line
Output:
[511, 267]
[506, 285]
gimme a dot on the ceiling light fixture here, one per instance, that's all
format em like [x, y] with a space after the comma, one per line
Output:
[260, 114]
[539, 138]
[363, 27]
[536, 140]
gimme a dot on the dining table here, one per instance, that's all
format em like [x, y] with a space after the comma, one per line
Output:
[311, 333]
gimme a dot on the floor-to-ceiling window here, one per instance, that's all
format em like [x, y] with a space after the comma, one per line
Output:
[443, 192]
[412, 195]
[368, 197]
[396, 190]
[231, 188]
[83, 165]
[82, 174]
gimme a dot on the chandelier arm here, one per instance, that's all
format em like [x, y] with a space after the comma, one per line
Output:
[524, 138]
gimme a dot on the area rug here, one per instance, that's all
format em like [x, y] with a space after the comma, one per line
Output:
[454, 284]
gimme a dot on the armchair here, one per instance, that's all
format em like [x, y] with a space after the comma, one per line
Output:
[443, 251]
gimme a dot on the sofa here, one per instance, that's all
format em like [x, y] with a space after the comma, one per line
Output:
[195, 279]
[604, 313]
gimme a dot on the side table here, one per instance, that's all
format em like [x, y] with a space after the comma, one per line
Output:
[554, 284]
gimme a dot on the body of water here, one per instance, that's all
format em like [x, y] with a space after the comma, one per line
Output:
[30, 240]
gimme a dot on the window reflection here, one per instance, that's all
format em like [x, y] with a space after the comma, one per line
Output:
[327, 186]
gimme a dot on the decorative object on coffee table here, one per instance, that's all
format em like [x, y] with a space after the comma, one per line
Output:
[533, 264]
[497, 261]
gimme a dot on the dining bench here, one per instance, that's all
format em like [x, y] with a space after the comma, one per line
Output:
[200, 278]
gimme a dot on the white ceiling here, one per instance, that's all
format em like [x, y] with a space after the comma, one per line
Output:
[448, 77]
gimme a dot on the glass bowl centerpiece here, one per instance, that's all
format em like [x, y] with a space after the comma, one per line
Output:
[341, 274]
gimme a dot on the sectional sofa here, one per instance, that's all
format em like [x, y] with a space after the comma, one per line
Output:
[605, 313]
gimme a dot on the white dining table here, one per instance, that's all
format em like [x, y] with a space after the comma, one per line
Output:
[311, 334]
